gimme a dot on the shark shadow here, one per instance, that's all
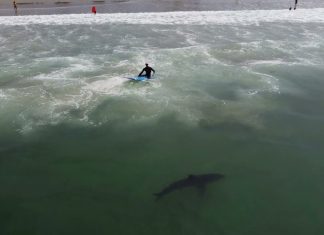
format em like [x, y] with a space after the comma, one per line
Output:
[198, 181]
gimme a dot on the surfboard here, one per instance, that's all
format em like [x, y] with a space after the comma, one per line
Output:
[139, 78]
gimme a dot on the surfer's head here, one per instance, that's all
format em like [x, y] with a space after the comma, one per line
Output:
[146, 64]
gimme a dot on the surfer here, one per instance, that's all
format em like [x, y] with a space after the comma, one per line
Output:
[147, 70]
[15, 7]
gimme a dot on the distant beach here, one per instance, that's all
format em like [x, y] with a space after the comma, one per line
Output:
[47, 7]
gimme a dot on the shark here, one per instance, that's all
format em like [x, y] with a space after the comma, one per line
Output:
[198, 181]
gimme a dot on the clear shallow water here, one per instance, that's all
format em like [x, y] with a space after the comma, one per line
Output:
[83, 149]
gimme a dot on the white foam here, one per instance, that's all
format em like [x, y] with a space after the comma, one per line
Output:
[75, 65]
[115, 86]
[267, 62]
[110, 86]
[246, 17]
[2, 95]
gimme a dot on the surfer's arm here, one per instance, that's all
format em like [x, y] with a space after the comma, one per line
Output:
[141, 73]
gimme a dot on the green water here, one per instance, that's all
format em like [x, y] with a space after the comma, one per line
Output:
[82, 149]
[73, 179]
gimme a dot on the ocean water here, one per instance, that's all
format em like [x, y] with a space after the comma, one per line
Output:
[83, 149]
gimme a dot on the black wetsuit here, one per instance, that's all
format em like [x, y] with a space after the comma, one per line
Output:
[148, 71]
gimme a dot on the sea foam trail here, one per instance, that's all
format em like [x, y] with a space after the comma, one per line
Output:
[247, 17]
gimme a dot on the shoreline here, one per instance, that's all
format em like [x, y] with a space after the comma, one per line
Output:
[125, 6]
[247, 17]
